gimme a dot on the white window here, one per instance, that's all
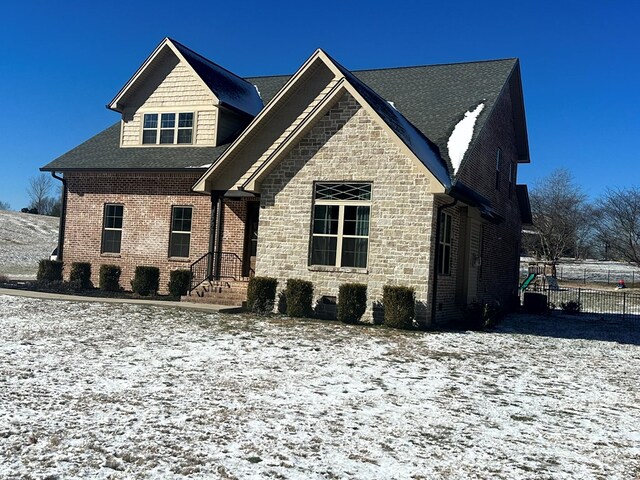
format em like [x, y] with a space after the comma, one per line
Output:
[444, 244]
[180, 238]
[340, 228]
[167, 128]
[112, 228]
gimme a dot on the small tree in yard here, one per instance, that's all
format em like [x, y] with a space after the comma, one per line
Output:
[561, 217]
[619, 224]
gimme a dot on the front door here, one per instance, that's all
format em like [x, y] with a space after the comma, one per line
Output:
[251, 238]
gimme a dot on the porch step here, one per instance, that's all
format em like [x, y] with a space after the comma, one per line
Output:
[231, 293]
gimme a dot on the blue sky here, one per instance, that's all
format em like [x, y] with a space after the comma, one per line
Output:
[62, 62]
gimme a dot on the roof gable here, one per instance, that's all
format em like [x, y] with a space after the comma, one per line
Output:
[416, 143]
[226, 88]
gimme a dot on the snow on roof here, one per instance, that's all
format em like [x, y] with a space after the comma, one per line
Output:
[461, 136]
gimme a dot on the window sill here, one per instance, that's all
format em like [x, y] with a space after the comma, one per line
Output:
[180, 259]
[110, 255]
[328, 268]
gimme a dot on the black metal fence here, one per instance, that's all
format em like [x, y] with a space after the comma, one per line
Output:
[586, 275]
[615, 303]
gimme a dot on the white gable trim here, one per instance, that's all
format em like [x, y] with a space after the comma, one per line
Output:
[254, 183]
[166, 43]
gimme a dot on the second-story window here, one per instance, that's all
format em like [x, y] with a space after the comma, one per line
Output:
[167, 128]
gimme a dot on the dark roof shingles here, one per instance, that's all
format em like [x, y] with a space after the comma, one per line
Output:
[433, 98]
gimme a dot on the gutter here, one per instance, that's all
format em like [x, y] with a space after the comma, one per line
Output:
[63, 214]
[437, 262]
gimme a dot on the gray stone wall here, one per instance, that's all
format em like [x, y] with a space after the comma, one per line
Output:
[346, 145]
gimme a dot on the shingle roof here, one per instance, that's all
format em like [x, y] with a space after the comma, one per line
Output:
[103, 151]
[232, 90]
[433, 98]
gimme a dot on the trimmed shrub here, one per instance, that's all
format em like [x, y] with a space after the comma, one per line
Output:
[110, 278]
[179, 282]
[146, 280]
[352, 302]
[49, 271]
[81, 274]
[261, 294]
[299, 295]
[399, 306]
[572, 307]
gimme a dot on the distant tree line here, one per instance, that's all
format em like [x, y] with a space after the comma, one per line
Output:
[567, 224]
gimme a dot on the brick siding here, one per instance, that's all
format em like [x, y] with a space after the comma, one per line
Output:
[148, 199]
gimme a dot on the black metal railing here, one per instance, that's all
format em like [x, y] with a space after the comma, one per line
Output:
[218, 266]
[618, 303]
[200, 270]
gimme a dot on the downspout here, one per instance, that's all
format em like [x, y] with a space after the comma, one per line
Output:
[437, 262]
[63, 215]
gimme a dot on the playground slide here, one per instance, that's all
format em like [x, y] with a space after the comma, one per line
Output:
[527, 281]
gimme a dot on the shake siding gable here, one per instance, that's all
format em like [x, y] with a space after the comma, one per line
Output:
[347, 145]
[179, 91]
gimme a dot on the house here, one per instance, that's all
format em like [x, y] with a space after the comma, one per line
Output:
[400, 176]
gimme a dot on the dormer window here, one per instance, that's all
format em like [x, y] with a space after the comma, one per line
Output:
[167, 128]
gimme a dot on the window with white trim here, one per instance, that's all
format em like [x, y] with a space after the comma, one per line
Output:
[444, 244]
[112, 228]
[180, 238]
[167, 128]
[340, 225]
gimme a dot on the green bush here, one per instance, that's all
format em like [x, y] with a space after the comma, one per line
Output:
[352, 302]
[572, 307]
[81, 274]
[146, 280]
[49, 271]
[179, 282]
[399, 306]
[261, 294]
[299, 295]
[110, 278]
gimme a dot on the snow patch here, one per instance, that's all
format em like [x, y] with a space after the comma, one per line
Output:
[257, 90]
[461, 136]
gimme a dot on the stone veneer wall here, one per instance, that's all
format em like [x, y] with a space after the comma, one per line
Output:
[348, 145]
[148, 198]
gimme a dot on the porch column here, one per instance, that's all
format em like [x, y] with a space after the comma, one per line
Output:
[213, 263]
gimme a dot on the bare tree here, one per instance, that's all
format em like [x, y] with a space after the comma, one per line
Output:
[41, 201]
[619, 224]
[4, 206]
[560, 216]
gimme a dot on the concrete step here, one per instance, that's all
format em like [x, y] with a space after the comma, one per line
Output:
[221, 292]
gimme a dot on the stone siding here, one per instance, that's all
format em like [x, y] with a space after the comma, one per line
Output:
[348, 145]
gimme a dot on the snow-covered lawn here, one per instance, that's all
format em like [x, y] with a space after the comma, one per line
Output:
[125, 391]
[25, 239]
